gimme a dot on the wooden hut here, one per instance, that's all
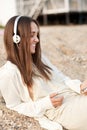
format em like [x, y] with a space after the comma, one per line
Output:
[44, 8]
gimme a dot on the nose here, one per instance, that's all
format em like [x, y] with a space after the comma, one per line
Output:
[36, 39]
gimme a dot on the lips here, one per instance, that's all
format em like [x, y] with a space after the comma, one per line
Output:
[33, 45]
[32, 48]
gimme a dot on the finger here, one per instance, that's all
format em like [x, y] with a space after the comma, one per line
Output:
[58, 99]
[53, 94]
[85, 93]
[56, 104]
[84, 90]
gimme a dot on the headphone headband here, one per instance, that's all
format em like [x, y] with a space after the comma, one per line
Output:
[16, 38]
[15, 24]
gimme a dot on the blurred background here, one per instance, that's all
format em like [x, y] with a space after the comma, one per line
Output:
[63, 28]
[46, 11]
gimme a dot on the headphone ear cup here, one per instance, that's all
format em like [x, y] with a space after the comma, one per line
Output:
[16, 39]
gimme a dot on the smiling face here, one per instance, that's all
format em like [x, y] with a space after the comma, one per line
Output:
[34, 37]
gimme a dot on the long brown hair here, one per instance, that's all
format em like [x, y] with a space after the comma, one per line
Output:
[20, 55]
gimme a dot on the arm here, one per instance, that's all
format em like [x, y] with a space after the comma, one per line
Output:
[59, 77]
[17, 98]
[11, 94]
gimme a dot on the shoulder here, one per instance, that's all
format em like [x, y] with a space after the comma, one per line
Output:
[8, 70]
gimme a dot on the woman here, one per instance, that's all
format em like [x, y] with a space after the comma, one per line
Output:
[31, 85]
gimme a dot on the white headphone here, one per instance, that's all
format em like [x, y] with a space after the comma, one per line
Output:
[16, 38]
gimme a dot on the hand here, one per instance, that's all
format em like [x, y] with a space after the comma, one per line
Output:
[56, 100]
[83, 88]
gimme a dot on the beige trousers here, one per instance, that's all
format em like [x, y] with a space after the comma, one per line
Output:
[72, 114]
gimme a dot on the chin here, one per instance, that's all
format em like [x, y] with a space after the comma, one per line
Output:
[32, 52]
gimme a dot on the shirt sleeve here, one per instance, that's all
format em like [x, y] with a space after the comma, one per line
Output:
[11, 94]
[73, 84]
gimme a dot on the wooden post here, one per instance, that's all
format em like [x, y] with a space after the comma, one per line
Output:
[67, 18]
[67, 11]
[45, 20]
[80, 11]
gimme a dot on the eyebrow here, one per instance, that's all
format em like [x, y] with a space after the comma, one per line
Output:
[35, 32]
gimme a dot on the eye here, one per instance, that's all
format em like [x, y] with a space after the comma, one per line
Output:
[32, 35]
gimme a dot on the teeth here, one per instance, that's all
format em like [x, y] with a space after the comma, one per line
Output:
[34, 45]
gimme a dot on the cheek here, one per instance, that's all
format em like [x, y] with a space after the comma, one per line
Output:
[31, 40]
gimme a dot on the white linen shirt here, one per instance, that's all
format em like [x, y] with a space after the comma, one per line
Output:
[16, 95]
